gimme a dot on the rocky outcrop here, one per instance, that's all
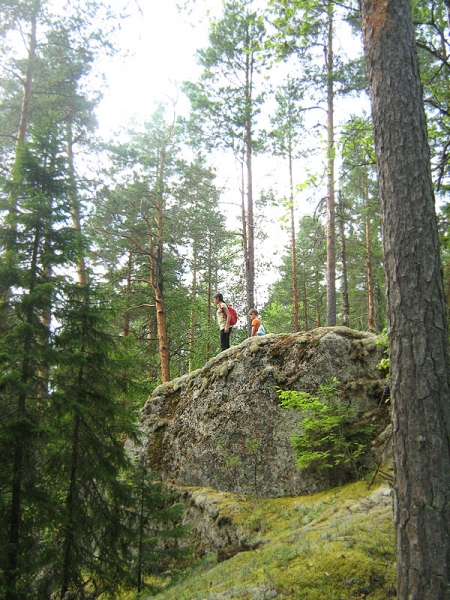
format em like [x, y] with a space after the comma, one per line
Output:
[216, 523]
[226, 524]
[221, 426]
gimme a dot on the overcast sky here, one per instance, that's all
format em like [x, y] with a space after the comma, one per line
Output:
[161, 42]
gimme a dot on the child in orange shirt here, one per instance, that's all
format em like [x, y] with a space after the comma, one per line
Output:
[256, 321]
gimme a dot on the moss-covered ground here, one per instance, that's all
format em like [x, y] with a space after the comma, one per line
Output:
[334, 545]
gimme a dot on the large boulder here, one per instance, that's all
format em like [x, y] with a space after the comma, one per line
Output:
[221, 426]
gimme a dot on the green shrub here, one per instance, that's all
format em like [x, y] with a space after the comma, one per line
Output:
[385, 362]
[331, 437]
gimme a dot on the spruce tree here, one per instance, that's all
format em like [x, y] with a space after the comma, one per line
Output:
[155, 514]
[38, 239]
[85, 457]
[226, 102]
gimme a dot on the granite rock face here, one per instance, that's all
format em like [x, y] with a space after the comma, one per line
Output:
[221, 425]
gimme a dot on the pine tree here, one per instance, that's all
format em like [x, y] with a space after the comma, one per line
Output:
[285, 136]
[361, 226]
[227, 100]
[418, 332]
[431, 35]
[310, 272]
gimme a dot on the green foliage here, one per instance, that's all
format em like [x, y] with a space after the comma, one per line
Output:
[359, 221]
[224, 102]
[330, 437]
[68, 400]
[83, 451]
[79, 492]
[431, 31]
[155, 533]
[310, 248]
[277, 318]
[194, 245]
[385, 362]
[384, 365]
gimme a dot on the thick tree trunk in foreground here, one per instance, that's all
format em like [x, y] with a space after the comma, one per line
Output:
[416, 304]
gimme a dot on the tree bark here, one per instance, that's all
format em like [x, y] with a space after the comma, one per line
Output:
[305, 300]
[26, 104]
[21, 137]
[245, 242]
[209, 317]
[418, 336]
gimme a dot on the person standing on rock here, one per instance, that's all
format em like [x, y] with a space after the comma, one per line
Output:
[223, 319]
[256, 321]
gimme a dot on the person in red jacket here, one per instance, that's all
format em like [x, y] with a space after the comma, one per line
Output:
[223, 319]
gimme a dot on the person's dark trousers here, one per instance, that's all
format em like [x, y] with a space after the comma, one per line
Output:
[225, 339]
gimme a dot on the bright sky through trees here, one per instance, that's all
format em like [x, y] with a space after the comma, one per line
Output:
[157, 45]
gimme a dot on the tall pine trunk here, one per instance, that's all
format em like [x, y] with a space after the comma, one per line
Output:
[21, 137]
[245, 242]
[344, 284]
[293, 245]
[75, 203]
[156, 270]
[210, 293]
[418, 336]
[25, 111]
[192, 315]
[305, 300]
[249, 152]
[369, 273]
[331, 218]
